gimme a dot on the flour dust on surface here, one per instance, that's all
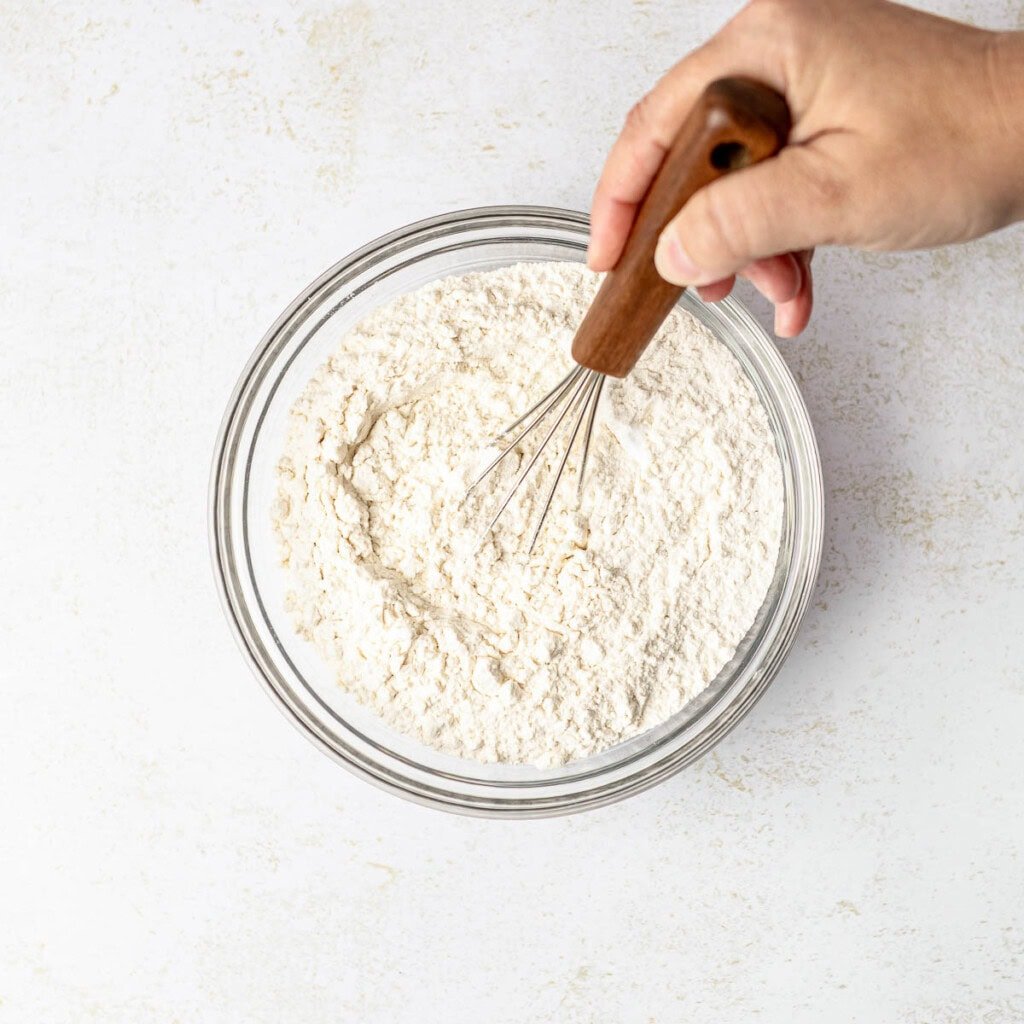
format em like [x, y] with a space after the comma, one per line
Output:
[629, 605]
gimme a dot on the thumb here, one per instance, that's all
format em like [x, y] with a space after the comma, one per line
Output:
[781, 205]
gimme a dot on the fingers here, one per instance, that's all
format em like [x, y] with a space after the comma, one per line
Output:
[717, 291]
[793, 315]
[784, 280]
[786, 203]
[777, 278]
[638, 152]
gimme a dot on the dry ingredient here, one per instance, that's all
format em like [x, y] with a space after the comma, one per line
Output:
[629, 605]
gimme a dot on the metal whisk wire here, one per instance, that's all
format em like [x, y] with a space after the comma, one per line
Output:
[579, 390]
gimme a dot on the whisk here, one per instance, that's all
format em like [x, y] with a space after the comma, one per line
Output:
[736, 122]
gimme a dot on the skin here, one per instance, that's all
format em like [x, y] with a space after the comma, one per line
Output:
[908, 132]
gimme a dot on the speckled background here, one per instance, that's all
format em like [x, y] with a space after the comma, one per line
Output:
[171, 175]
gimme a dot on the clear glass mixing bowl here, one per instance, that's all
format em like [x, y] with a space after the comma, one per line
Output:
[252, 584]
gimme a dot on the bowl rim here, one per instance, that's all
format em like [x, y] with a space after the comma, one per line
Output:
[227, 448]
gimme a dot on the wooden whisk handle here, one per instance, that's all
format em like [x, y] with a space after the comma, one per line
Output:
[735, 123]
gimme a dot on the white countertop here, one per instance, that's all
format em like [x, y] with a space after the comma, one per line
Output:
[172, 175]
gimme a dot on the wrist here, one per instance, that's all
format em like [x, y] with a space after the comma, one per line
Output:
[1005, 72]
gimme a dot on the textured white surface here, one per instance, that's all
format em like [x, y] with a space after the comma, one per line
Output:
[170, 850]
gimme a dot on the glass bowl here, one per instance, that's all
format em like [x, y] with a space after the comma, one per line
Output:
[252, 584]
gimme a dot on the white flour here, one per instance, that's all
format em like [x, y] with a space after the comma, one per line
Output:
[627, 608]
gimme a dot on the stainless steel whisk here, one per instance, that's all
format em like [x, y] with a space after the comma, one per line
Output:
[735, 123]
[583, 388]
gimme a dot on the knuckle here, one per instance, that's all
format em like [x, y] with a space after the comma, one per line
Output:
[828, 194]
[638, 119]
[785, 10]
[787, 25]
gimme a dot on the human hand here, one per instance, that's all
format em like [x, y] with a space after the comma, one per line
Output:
[908, 132]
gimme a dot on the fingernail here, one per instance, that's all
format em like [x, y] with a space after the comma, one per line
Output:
[783, 323]
[674, 263]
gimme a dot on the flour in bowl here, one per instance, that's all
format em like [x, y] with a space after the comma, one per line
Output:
[629, 605]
